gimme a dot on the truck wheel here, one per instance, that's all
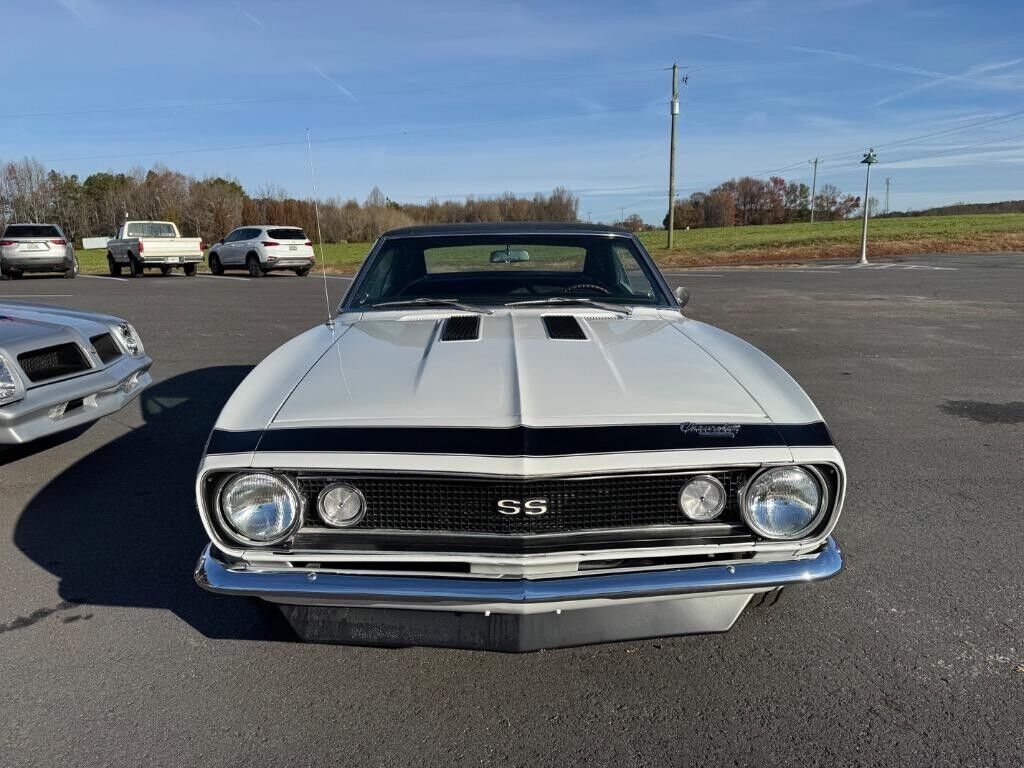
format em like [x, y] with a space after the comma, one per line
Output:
[253, 263]
[190, 270]
[165, 271]
[215, 266]
[113, 266]
[135, 266]
[302, 271]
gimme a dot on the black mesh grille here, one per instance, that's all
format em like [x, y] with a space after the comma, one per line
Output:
[106, 346]
[53, 362]
[411, 503]
[461, 328]
[564, 327]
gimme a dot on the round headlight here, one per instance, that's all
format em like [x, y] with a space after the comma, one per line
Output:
[341, 505]
[702, 499]
[259, 508]
[784, 502]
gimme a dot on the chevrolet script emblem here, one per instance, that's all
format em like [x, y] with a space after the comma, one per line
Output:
[710, 430]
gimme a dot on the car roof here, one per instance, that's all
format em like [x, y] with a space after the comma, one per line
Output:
[268, 226]
[506, 228]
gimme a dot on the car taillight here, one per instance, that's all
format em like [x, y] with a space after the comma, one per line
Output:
[309, 242]
[202, 246]
[59, 242]
[269, 243]
[142, 246]
[6, 242]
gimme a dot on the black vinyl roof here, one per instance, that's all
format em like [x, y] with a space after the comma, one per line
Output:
[504, 228]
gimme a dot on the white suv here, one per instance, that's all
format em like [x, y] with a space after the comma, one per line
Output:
[263, 249]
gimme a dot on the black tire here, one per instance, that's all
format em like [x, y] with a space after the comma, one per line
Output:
[113, 266]
[165, 271]
[215, 266]
[135, 266]
[252, 262]
[302, 271]
[73, 272]
[189, 270]
[15, 275]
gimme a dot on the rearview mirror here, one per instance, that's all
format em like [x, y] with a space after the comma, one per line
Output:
[682, 296]
[507, 256]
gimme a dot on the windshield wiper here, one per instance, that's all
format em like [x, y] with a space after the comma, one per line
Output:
[624, 310]
[424, 301]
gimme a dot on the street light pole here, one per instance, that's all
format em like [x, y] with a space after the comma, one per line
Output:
[869, 159]
[814, 185]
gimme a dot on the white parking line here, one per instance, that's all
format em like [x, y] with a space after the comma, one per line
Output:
[106, 277]
[225, 277]
[36, 295]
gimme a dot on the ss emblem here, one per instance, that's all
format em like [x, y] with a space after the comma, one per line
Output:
[527, 507]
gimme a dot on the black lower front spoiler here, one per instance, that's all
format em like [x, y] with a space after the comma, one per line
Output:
[515, 633]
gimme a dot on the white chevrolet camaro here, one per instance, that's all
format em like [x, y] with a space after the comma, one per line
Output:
[510, 437]
[62, 368]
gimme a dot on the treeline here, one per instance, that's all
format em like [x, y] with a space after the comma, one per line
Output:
[965, 209]
[212, 207]
[749, 201]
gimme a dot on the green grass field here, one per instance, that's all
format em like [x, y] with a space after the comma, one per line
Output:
[779, 242]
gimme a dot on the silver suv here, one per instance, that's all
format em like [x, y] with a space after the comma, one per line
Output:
[36, 248]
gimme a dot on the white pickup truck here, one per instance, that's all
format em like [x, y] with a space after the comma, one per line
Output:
[139, 245]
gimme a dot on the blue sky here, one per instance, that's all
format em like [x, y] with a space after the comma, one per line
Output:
[453, 98]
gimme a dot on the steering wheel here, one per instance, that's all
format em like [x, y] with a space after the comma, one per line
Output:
[592, 286]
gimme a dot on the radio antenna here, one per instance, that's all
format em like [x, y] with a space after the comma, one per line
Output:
[319, 234]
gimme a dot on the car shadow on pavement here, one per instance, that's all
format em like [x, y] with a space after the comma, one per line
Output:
[120, 527]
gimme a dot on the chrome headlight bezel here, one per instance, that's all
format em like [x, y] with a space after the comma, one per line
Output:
[816, 519]
[224, 523]
[129, 339]
[12, 388]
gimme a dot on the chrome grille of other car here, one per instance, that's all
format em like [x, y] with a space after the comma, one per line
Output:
[53, 362]
[458, 505]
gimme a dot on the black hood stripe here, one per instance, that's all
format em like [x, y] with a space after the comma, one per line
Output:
[521, 441]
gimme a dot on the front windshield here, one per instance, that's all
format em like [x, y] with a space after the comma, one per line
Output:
[506, 269]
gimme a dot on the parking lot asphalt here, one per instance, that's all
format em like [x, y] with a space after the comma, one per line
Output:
[913, 656]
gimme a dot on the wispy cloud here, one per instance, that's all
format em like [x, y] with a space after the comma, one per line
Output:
[251, 17]
[853, 58]
[341, 88]
[971, 74]
[84, 10]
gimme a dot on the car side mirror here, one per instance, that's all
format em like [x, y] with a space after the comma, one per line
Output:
[682, 296]
[220, 242]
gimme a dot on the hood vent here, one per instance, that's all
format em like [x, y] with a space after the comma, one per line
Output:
[564, 327]
[461, 328]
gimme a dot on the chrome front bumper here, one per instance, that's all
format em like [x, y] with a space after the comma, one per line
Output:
[101, 392]
[513, 614]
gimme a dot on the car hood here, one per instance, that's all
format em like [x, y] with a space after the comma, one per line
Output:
[393, 368]
[26, 324]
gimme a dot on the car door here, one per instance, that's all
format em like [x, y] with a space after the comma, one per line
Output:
[226, 250]
[247, 242]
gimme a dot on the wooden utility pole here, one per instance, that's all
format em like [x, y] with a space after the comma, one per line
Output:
[672, 157]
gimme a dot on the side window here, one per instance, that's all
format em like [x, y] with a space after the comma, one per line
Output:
[251, 234]
[630, 270]
[232, 236]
